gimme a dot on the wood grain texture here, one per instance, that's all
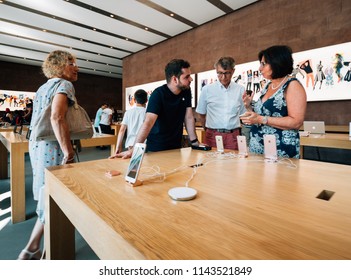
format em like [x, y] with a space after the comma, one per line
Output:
[245, 208]
[328, 140]
[17, 146]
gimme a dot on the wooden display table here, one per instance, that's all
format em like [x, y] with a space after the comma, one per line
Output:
[17, 146]
[328, 140]
[246, 208]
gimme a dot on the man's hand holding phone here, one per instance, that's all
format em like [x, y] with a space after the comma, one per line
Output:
[200, 146]
[247, 99]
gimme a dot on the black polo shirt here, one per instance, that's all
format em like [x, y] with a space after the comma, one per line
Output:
[170, 108]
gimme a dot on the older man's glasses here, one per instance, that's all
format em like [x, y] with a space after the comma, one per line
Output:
[221, 74]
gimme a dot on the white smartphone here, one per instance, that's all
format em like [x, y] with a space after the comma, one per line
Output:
[219, 143]
[135, 162]
[270, 147]
[242, 145]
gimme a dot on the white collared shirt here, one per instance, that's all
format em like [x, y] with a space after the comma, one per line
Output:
[222, 106]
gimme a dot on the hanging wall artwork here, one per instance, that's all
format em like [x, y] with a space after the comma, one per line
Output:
[325, 73]
[149, 88]
[15, 100]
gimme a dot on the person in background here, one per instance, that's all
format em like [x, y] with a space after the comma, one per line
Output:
[106, 120]
[132, 121]
[28, 111]
[8, 116]
[61, 69]
[220, 105]
[168, 109]
[98, 117]
[17, 118]
[281, 108]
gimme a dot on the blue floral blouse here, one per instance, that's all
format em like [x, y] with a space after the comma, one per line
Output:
[288, 141]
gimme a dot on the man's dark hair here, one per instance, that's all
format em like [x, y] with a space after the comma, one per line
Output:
[174, 68]
[140, 96]
[280, 59]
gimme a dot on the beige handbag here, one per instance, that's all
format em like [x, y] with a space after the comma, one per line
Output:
[77, 118]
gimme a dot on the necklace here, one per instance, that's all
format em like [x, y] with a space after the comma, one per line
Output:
[278, 86]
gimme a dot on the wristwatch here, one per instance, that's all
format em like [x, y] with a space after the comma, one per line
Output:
[264, 120]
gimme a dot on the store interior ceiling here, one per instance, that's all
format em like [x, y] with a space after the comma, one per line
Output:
[100, 33]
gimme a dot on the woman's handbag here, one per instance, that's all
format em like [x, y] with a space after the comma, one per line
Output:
[79, 124]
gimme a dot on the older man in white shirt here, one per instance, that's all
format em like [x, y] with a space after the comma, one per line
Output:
[220, 105]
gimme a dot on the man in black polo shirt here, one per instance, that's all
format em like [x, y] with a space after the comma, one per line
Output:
[169, 107]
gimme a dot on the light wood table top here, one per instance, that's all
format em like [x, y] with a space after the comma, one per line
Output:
[11, 127]
[245, 209]
[328, 140]
[17, 146]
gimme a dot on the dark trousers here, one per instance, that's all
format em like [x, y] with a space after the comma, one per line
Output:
[106, 129]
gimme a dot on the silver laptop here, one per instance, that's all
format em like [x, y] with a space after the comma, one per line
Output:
[314, 127]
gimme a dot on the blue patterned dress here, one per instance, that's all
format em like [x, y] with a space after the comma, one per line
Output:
[288, 140]
[46, 153]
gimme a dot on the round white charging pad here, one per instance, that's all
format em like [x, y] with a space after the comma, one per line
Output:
[182, 193]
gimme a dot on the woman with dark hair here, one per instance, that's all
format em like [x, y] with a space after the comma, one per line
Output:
[281, 108]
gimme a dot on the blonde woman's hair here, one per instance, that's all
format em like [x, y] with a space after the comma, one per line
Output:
[55, 63]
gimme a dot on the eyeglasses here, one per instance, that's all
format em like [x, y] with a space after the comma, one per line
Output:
[263, 64]
[219, 74]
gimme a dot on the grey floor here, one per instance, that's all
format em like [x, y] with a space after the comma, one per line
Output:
[13, 237]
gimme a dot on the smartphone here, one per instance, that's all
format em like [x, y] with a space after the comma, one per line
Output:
[135, 162]
[242, 145]
[270, 147]
[219, 143]
[201, 147]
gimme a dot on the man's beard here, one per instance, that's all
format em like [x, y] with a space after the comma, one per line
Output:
[183, 87]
